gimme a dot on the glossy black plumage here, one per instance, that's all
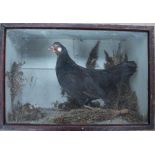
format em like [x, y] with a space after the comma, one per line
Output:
[85, 84]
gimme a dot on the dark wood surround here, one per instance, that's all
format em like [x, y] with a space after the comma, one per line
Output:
[148, 29]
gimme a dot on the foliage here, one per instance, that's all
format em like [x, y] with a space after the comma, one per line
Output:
[118, 57]
[15, 82]
[123, 97]
[25, 112]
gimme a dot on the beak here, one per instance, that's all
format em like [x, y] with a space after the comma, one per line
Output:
[52, 49]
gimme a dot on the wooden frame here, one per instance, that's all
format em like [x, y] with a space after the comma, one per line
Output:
[148, 29]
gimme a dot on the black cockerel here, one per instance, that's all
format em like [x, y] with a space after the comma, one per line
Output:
[87, 84]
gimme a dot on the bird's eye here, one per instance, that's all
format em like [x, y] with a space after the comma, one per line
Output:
[59, 49]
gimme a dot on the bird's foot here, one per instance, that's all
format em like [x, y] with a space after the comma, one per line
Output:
[68, 106]
[88, 107]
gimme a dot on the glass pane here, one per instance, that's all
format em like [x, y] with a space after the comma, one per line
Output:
[58, 76]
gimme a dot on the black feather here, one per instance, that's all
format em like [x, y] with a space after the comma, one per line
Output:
[93, 56]
[85, 84]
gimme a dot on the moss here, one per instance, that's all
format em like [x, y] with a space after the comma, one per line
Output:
[85, 116]
[25, 112]
[15, 82]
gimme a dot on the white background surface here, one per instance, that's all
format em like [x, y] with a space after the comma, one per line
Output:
[77, 143]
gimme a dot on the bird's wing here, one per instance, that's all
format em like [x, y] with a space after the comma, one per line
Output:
[80, 83]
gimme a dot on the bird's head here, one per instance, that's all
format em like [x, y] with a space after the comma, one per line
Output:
[57, 48]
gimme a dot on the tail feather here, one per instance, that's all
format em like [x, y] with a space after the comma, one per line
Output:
[131, 67]
[123, 71]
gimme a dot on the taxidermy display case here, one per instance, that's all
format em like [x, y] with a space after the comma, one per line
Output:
[76, 77]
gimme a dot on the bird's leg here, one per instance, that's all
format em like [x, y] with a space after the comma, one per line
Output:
[88, 107]
[87, 104]
[82, 101]
[87, 101]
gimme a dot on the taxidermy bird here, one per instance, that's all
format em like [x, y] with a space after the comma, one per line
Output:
[87, 84]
